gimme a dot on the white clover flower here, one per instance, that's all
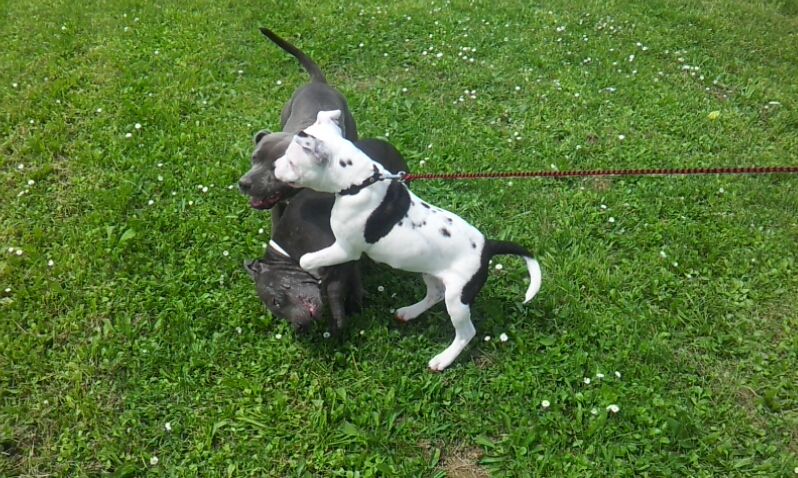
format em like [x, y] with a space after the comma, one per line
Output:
[137, 125]
[362, 332]
[611, 220]
[154, 461]
[20, 166]
[168, 426]
[128, 135]
[14, 85]
[621, 137]
[487, 338]
[150, 202]
[545, 404]
[613, 408]
[499, 267]
[19, 251]
[662, 254]
[380, 289]
[8, 290]
[225, 253]
[160, 178]
[599, 375]
[603, 206]
[594, 411]
[191, 203]
[160, 165]
[517, 88]
[617, 374]
[157, 52]
[50, 263]
[31, 182]
[278, 336]
[721, 190]
[503, 337]
[361, 45]
[279, 82]
[586, 380]
[260, 231]
[326, 335]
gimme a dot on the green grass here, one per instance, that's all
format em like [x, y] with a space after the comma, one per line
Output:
[688, 287]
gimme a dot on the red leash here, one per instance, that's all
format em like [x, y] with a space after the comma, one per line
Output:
[612, 172]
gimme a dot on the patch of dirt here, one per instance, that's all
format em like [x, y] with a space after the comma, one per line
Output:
[462, 462]
[599, 183]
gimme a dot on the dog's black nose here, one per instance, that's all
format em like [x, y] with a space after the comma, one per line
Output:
[244, 185]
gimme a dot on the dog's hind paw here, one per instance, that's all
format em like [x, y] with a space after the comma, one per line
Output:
[406, 314]
[440, 362]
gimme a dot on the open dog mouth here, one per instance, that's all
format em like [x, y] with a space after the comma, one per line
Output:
[267, 203]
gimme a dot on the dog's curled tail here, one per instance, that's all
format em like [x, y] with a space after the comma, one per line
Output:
[310, 66]
[535, 275]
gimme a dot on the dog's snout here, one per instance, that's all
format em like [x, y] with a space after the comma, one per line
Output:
[245, 184]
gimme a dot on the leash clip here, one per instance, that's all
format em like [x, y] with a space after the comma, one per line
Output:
[400, 176]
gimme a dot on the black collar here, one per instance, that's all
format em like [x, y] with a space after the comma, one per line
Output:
[356, 188]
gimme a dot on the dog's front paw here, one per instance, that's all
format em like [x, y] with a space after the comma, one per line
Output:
[309, 262]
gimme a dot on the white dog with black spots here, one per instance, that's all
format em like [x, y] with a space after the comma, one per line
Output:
[385, 220]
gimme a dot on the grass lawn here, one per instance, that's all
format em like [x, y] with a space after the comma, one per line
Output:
[131, 339]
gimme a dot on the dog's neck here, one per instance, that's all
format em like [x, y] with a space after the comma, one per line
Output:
[356, 188]
[352, 171]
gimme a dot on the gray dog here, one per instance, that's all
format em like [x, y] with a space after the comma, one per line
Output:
[266, 191]
[286, 289]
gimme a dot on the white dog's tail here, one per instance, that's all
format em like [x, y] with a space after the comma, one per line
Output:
[535, 275]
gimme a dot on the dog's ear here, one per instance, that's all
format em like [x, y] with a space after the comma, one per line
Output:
[255, 268]
[333, 116]
[312, 146]
[260, 134]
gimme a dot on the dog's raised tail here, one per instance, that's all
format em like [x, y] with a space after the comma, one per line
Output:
[535, 275]
[309, 65]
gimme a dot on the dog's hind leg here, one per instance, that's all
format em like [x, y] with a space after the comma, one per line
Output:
[434, 295]
[464, 330]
